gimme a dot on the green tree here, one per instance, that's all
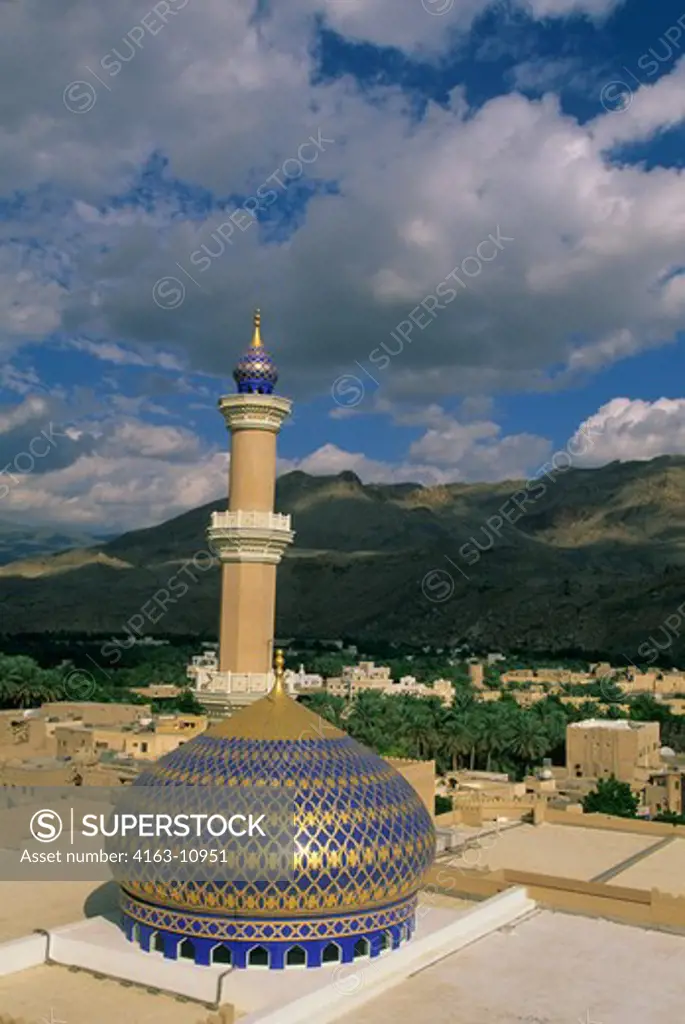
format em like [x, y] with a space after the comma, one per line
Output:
[611, 797]
[442, 804]
[670, 818]
[326, 705]
[26, 684]
[528, 739]
[644, 708]
[458, 738]
[422, 726]
[188, 704]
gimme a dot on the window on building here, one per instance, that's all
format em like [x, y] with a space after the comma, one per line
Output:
[143, 748]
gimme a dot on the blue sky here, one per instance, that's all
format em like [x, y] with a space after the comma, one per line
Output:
[127, 278]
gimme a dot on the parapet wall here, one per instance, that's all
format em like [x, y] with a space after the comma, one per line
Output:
[479, 810]
[647, 908]
[612, 824]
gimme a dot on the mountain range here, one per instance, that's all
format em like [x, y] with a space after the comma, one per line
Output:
[593, 561]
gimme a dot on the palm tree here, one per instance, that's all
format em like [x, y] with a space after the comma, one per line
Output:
[553, 719]
[458, 740]
[494, 731]
[7, 693]
[327, 705]
[29, 686]
[528, 739]
[421, 725]
[365, 718]
[472, 728]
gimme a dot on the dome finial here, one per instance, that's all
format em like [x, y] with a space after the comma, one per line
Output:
[257, 338]
[279, 671]
[256, 373]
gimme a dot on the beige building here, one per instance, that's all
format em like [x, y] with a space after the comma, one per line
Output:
[476, 675]
[550, 676]
[146, 743]
[95, 713]
[664, 792]
[158, 691]
[598, 748]
[368, 676]
[354, 678]
[656, 682]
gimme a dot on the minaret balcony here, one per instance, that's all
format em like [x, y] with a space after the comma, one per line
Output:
[254, 411]
[249, 536]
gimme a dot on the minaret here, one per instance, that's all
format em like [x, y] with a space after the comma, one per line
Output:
[250, 538]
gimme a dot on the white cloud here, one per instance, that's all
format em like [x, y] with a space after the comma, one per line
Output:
[449, 451]
[592, 241]
[110, 352]
[631, 429]
[30, 305]
[29, 410]
[562, 8]
[228, 98]
[649, 109]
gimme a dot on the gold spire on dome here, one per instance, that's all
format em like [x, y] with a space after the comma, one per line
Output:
[279, 670]
[256, 337]
[276, 717]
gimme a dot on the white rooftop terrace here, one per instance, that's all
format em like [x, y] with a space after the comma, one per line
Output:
[548, 969]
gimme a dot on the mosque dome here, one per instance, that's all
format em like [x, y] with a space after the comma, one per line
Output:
[363, 842]
[255, 372]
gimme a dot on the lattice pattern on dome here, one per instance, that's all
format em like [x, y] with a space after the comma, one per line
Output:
[256, 369]
[363, 837]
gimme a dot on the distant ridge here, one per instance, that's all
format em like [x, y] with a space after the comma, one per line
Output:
[597, 562]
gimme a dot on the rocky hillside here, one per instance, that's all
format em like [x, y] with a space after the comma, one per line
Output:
[23, 542]
[595, 563]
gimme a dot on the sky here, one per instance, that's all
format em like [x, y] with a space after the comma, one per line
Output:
[463, 222]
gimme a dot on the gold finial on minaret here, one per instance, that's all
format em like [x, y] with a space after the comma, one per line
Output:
[257, 338]
[279, 671]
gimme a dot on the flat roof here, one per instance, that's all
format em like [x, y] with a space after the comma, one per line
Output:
[664, 869]
[25, 906]
[552, 968]
[607, 723]
[570, 851]
[56, 993]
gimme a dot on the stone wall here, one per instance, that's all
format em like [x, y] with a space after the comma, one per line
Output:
[420, 775]
[646, 908]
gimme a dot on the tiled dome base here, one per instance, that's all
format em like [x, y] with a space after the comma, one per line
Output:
[240, 942]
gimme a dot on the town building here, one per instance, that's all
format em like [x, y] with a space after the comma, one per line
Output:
[599, 748]
[366, 676]
[476, 675]
[663, 792]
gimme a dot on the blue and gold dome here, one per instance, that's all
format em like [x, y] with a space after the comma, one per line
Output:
[255, 372]
[363, 842]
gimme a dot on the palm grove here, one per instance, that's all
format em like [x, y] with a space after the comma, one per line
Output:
[495, 736]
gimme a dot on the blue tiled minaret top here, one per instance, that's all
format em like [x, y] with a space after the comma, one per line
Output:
[255, 372]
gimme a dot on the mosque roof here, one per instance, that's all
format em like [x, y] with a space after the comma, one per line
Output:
[363, 837]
